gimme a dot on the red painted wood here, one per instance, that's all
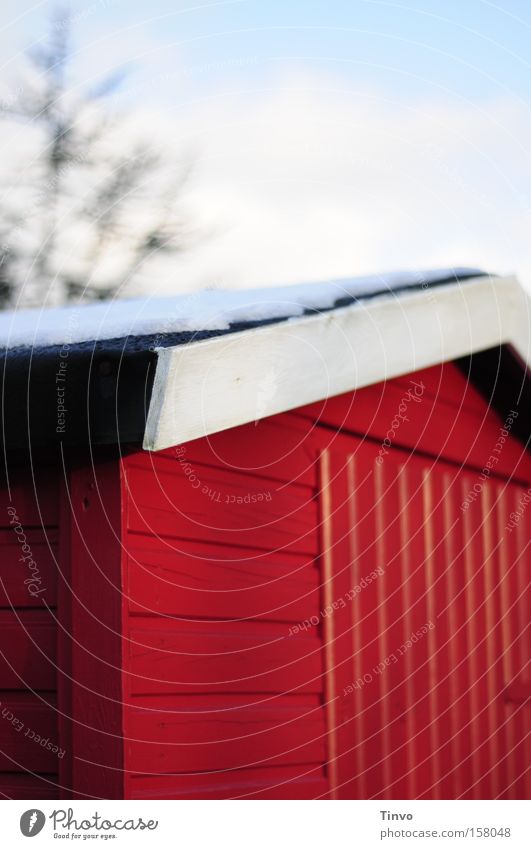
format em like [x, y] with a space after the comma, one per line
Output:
[515, 600]
[447, 383]
[234, 511]
[212, 603]
[27, 786]
[64, 643]
[13, 590]
[28, 734]
[28, 651]
[195, 579]
[275, 448]
[222, 657]
[263, 783]
[96, 648]
[195, 657]
[408, 731]
[224, 732]
[414, 696]
[392, 633]
[432, 714]
[340, 590]
[28, 633]
[433, 425]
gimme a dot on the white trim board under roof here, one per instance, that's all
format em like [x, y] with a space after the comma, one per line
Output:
[159, 372]
[203, 387]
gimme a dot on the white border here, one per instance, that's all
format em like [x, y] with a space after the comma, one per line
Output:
[262, 824]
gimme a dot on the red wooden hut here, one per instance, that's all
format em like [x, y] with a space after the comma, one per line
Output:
[268, 544]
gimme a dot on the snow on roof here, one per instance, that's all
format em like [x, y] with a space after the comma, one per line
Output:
[208, 310]
[220, 383]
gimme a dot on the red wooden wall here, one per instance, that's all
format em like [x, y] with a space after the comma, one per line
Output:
[428, 660]
[217, 693]
[216, 641]
[29, 519]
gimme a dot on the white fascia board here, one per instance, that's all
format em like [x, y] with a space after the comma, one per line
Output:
[204, 387]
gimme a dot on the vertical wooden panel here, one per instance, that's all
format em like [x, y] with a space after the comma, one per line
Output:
[431, 542]
[523, 592]
[342, 653]
[359, 485]
[391, 669]
[364, 607]
[508, 568]
[472, 583]
[28, 633]
[96, 646]
[64, 636]
[436, 722]
[331, 693]
[458, 681]
[493, 781]
[413, 591]
[438, 638]
[381, 704]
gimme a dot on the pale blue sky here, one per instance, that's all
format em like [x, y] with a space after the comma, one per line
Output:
[470, 49]
[334, 137]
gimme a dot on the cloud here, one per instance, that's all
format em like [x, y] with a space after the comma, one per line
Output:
[307, 178]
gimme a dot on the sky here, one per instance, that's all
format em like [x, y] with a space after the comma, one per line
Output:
[328, 138]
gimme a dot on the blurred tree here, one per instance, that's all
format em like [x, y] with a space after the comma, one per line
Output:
[88, 205]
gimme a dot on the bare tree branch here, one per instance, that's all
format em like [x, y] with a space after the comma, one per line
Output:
[117, 204]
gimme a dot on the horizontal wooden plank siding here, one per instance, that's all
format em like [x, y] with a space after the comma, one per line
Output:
[225, 734]
[265, 783]
[30, 748]
[222, 657]
[28, 733]
[285, 454]
[226, 508]
[448, 384]
[413, 419]
[29, 645]
[208, 582]
[224, 688]
[13, 589]
[27, 786]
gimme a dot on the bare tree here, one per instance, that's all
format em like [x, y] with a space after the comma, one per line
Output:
[85, 212]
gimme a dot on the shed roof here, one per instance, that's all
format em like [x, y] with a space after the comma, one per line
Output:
[133, 324]
[166, 370]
